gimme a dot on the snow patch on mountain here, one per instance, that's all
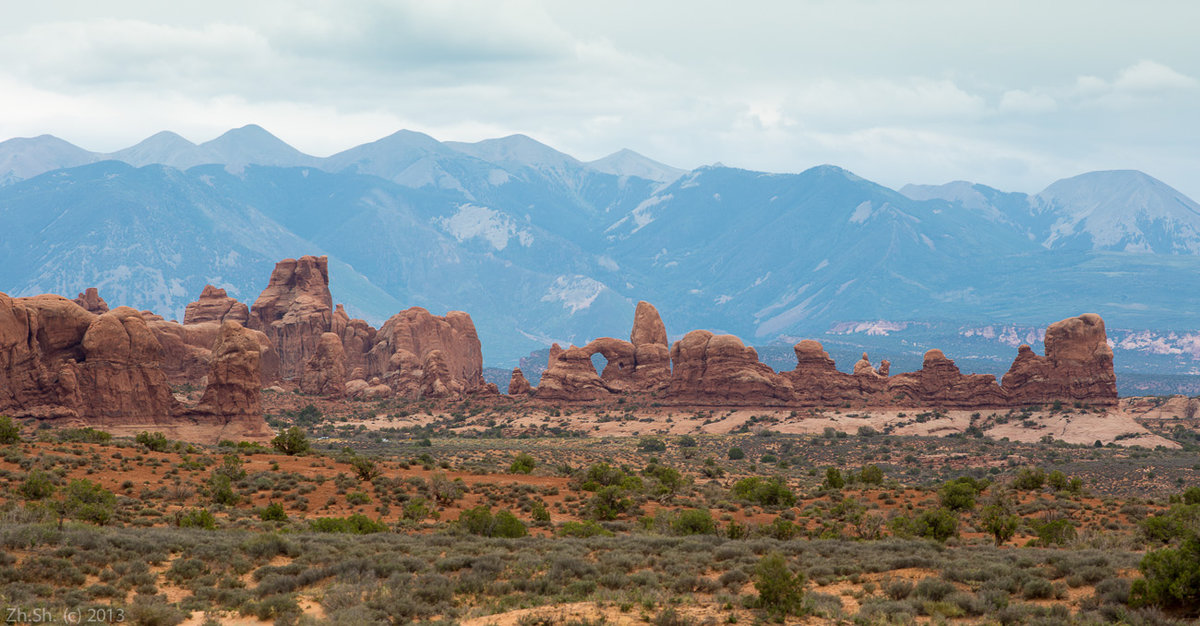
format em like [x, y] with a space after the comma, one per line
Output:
[861, 213]
[872, 328]
[575, 292]
[473, 221]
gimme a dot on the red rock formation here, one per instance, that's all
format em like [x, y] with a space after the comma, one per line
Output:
[940, 384]
[572, 377]
[90, 299]
[325, 372]
[518, 385]
[404, 345]
[648, 327]
[1078, 366]
[555, 352]
[816, 379]
[720, 369]
[357, 338]
[294, 311]
[186, 349]
[41, 343]
[234, 387]
[215, 306]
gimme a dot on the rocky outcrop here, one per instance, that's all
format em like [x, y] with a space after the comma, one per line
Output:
[357, 339]
[294, 311]
[719, 369]
[325, 372]
[186, 349]
[63, 363]
[518, 385]
[1078, 366]
[91, 301]
[940, 384]
[234, 388]
[648, 327]
[572, 377]
[816, 380]
[214, 305]
[403, 354]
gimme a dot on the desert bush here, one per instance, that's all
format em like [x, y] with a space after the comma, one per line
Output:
[291, 442]
[780, 592]
[10, 432]
[736, 454]
[938, 524]
[693, 522]
[156, 442]
[652, 444]
[198, 518]
[833, 479]
[871, 475]
[765, 491]
[356, 524]
[37, 485]
[522, 464]
[1029, 479]
[587, 528]
[480, 521]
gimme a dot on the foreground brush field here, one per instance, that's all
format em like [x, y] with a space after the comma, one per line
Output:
[395, 513]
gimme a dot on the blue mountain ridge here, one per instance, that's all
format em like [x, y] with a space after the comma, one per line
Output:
[538, 246]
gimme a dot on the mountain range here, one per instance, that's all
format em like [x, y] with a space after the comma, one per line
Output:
[539, 246]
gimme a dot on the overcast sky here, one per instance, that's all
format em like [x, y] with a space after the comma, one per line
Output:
[1012, 94]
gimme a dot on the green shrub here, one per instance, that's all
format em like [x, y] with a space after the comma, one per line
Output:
[833, 479]
[652, 444]
[37, 486]
[959, 494]
[609, 503]
[871, 475]
[480, 521]
[736, 454]
[999, 522]
[356, 524]
[273, 512]
[357, 498]
[10, 432]
[587, 528]
[686, 441]
[780, 592]
[765, 491]
[938, 524]
[365, 468]
[197, 518]
[693, 522]
[291, 442]
[1170, 578]
[1059, 531]
[522, 464]
[1029, 479]
[156, 442]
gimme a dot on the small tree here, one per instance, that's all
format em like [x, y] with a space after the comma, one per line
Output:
[871, 475]
[10, 432]
[999, 522]
[736, 454]
[37, 486]
[365, 468]
[780, 592]
[833, 479]
[652, 444]
[273, 512]
[155, 442]
[86, 501]
[292, 441]
[444, 490]
[937, 524]
[522, 464]
[1170, 577]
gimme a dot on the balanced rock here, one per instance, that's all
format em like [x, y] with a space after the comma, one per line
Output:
[294, 311]
[325, 372]
[1078, 366]
[91, 301]
[214, 305]
[712, 368]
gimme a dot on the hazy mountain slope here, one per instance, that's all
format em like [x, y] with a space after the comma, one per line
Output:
[23, 157]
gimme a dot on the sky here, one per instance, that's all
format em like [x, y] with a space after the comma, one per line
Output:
[1010, 94]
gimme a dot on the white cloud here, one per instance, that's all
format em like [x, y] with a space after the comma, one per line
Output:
[1018, 101]
[1150, 76]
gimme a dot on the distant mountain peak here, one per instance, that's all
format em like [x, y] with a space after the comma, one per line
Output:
[626, 162]
[515, 150]
[253, 144]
